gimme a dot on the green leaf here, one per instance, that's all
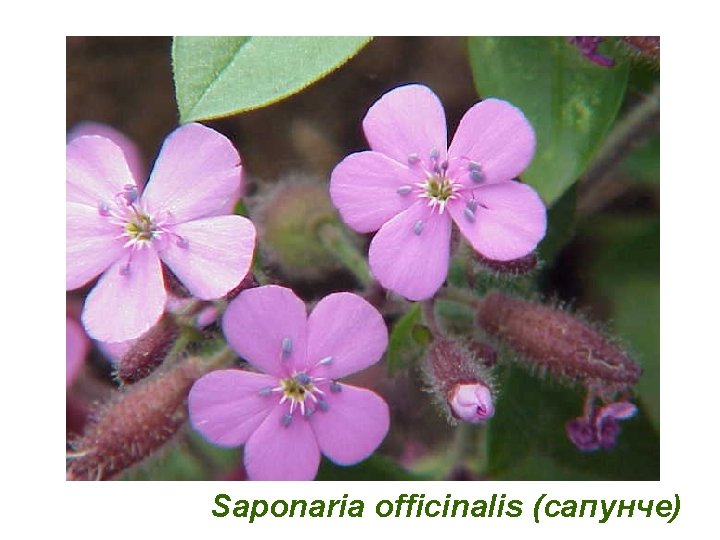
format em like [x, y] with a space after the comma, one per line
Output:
[570, 101]
[402, 348]
[220, 76]
[527, 439]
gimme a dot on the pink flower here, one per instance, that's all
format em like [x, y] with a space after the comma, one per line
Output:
[602, 429]
[123, 233]
[295, 409]
[404, 185]
[76, 348]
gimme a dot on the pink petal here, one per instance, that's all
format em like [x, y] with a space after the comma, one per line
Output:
[76, 348]
[620, 411]
[497, 136]
[124, 305]
[197, 174]
[267, 326]
[91, 244]
[212, 255]
[407, 121]
[364, 188]
[508, 222]
[277, 452]
[96, 170]
[132, 153]
[226, 405]
[347, 333]
[353, 426]
[413, 265]
[115, 351]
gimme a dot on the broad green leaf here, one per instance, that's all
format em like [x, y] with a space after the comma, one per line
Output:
[402, 348]
[220, 76]
[527, 439]
[570, 101]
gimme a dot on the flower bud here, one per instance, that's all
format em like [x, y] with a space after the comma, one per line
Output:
[564, 345]
[471, 403]
[460, 383]
[288, 219]
[149, 351]
[134, 424]
[647, 47]
[249, 282]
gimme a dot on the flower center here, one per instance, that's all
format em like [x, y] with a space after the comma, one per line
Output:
[297, 387]
[140, 228]
[438, 189]
[303, 393]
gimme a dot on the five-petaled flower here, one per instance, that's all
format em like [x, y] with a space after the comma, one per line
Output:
[295, 409]
[117, 229]
[410, 187]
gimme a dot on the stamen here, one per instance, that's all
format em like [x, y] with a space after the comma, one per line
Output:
[444, 166]
[264, 392]
[130, 193]
[477, 176]
[434, 154]
[325, 361]
[474, 166]
[413, 159]
[303, 378]
[287, 346]
[469, 215]
[286, 419]
[404, 190]
[418, 227]
[309, 412]
[182, 242]
[335, 387]
[323, 405]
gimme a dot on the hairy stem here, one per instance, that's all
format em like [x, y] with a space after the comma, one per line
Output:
[334, 239]
[595, 186]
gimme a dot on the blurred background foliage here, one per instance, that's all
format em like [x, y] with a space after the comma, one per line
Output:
[601, 254]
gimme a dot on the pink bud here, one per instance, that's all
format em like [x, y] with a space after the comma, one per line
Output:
[460, 382]
[565, 345]
[471, 403]
[148, 351]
